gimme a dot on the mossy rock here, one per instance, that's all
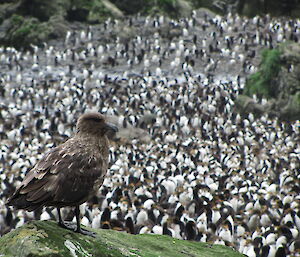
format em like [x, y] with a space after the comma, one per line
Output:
[245, 104]
[7, 9]
[46, 238]
[93, 11]
[101, 10]
[173, 8]
[292, 109]
[43, 10]
[264, 82]
[79, 10]
[23, 31]
[278, 80]
[130, 7]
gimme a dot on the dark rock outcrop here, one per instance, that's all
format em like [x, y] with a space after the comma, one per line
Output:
[273, 7]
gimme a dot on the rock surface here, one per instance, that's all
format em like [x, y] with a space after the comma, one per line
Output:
[46, 238]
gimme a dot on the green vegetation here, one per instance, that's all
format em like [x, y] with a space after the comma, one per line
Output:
[162, 7]
[25, 28]
[202, 3]
[25, 31]
[98, 13]
[101, 10]
[165, 4]
[277, 79]
[17, 20]
[43, 10]
[147, 7]
[82, 3]
[292, 110]
[263, 83]
[46, 238]
[33, 22]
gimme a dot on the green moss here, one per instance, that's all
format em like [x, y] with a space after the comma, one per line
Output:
[7, 9]
[82, 3]
[17, 20]
[62, 240]
[202, 3]
[162, 6]
[166, 3]
[27, 31]
[23, 242]
[43, 10]
[149, 7]
[19, 30]
[263, 83]
[98, 12]
[46, 238]
[93, 11]
[26, 28]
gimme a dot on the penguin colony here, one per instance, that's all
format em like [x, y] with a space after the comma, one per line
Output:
[207, 174]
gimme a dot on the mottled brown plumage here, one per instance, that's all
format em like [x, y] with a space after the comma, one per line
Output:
[71, 173]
